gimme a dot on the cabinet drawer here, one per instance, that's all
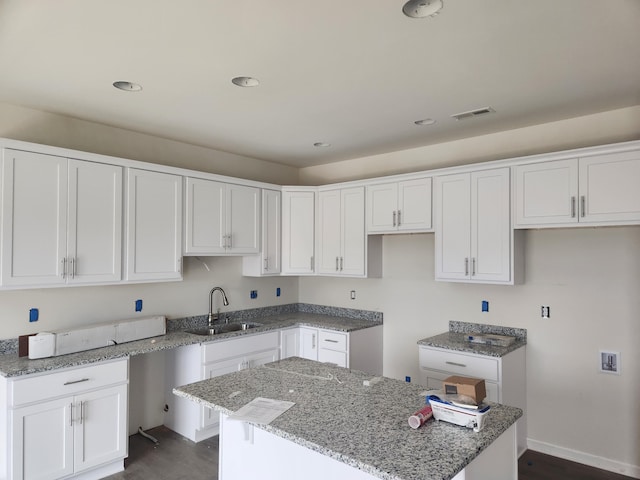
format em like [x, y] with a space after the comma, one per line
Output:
[332, 356]
[333, 340]
[35, 388]
[236, 347]
[457, 363]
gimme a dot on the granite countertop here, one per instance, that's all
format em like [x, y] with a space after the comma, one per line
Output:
[457, 339]
[365, 427]
[13, 366]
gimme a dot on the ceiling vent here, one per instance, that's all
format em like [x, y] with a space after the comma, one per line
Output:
[473, 113]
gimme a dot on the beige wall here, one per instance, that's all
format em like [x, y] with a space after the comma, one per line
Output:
[608, 127]
[19, 123]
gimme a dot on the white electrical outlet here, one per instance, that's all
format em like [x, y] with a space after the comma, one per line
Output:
[609, 362]
[353, 294]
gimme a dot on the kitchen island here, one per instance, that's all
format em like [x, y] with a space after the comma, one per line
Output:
[343, 429]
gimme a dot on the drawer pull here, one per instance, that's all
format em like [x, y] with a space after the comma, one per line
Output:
[456, 364]
[72, 382]
[329, 340]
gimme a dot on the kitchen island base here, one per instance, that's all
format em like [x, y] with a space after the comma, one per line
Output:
[250, 452]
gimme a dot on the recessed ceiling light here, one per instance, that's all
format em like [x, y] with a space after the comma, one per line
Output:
[425, 121]
[321, 144]
[127, 86]
[245, 81]
[422, 8]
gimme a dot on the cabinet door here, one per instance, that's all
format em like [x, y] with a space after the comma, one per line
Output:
[453, 226]
[309, 343]
[298, 232]
[414, 205]
[154, 226]
[101, 430]
[94, 242]
[353, 235]
[290, 343]
[546, 193]
[243, 216]
[42, 442]
[609, 190]
[34, 218]
[382, 206]
[490, 226]
[271, 231]
[204, 222]
[209, 416]
[329, 232]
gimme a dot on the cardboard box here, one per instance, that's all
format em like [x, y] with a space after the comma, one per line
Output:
[467, 386]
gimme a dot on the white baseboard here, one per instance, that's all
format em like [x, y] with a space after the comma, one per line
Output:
[585, 458]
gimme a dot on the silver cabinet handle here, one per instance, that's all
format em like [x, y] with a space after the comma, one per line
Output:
[64, 267]
[573, 207]
[399, 213]
[230, 240]
[337, 263]
[73, 382]
[266, 264]
[582, 206]
[179, 264]
[473, 266]
[456, 364]
[313, 341]
[341, 263]
[394, 218]
[71, 414]
[72, 267]
[466, 266]
[81, 412]
[330, 340]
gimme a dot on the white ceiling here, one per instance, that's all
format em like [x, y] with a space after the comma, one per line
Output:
[353, 73]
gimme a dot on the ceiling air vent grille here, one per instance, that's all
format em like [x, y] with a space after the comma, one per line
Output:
[473, 113]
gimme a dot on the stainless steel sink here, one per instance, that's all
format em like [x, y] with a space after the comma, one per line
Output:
[224, 328]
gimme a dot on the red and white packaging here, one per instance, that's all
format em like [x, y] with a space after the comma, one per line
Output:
[420, 417]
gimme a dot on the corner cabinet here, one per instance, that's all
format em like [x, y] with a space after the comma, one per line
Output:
[268, 261]
[474, 240]
[61, 221]
[298, 231]
[154, 226]
[221, 218]
[66, 424]
[399, 207]
[594, 190]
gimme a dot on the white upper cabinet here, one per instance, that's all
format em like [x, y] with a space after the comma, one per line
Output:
[268, 262]
[61, 220]
[473, 235]
[154, 226]
[298, 231]
[399, 206]
[341, 232]
[221, 218]
[600, 189]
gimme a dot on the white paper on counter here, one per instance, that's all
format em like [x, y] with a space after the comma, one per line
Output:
[261, 410]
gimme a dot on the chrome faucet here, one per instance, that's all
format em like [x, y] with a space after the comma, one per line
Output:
[225, 302]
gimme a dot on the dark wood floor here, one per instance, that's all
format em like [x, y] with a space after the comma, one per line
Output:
[538, 466]
[176, 458]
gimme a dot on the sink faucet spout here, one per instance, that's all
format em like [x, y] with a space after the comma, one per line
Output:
[213, 317]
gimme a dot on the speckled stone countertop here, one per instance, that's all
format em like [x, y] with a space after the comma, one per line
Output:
[364, 427]
[456, 339]
[328, 317]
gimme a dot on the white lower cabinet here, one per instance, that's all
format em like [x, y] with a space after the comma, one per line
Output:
[67, 423]
[359, 349]
[200, 362]
[505, 377]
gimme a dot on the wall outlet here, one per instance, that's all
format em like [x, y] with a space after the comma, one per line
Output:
[138, 305]
[609, 362]
[253, 294]
[353, 294]
[278, 291]
[485, 306]
[545, 311]
[34, 315]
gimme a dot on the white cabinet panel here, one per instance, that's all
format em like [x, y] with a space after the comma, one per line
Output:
[154, 226]
[62, 221]
[268, 261]
[221, 218]
[309, 343]
[474, 239]
[298, 232]
[289, 342]
[399, 206]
